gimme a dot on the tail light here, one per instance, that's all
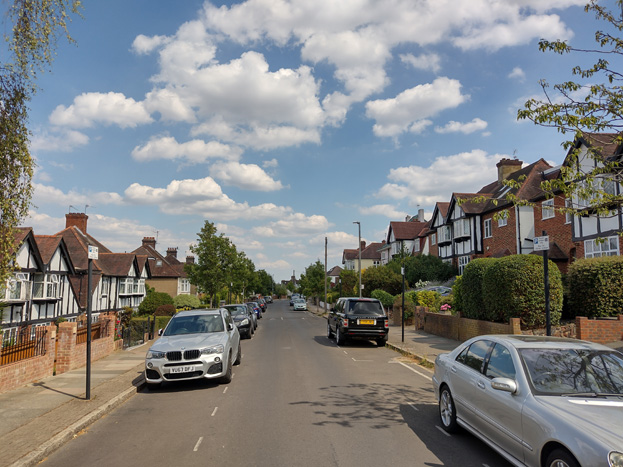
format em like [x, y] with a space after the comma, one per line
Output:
[345, 322]
[386, 324]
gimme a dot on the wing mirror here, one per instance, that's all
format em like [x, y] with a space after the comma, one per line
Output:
[160, 332]
[504, 384]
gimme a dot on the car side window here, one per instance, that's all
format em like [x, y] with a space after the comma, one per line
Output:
[475, 356]
[500, 364]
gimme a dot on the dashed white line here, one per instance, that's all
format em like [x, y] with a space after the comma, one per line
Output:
[443, 431]
[197, 445]
[415, 371]
[214, 412]
[414, 407]
[225, 390]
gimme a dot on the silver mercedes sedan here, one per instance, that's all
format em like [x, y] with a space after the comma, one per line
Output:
[195, 344]
[538, 401]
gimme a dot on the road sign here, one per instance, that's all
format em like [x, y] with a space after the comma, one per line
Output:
[93, 252]
[541, 243]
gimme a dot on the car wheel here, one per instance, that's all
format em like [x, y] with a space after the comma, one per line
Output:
[250, 332]
[561, 458]
[239, 356]
[381, 342]
[447, 411]
[339, 338]
[330, 334]
[226, 378]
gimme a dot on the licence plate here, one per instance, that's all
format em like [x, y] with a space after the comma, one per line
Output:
[182, 369]
[367, 321]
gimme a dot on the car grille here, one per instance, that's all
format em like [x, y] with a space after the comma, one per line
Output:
[176, 355]
[191, 374]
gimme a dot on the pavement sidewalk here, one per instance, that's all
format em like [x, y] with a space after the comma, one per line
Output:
[38, 418]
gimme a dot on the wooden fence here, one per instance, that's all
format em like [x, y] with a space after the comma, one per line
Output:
[98, 330]
[22, 344]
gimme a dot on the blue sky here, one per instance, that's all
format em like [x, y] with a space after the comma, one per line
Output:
[284, 121]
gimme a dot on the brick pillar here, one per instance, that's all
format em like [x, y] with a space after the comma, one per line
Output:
[581, 327]
[66, 346]
[515, 324]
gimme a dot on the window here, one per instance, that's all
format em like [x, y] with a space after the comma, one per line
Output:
[377, 263]
[503, 221]
[488, 231]
[463, 261]
[547, 209]
[444, 234]
[500, 363]
[184, 286]
[17, 287]
[568, 215]
[474, 357]
[416, 245]
[598, 247]
[433, 239]
[46, 286]
[126, 286]
[461, 228]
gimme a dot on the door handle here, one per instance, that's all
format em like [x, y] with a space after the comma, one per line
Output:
[453, 369]
[480, 384]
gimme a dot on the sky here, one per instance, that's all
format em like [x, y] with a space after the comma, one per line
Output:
[285, 121]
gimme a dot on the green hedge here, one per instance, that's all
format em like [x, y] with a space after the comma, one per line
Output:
[513, 287]
[595, 287]
[186, 301]
[472, 298]
[385, 298]
[457, 294]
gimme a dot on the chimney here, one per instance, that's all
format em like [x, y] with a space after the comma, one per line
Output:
[77, 219]
[506, 167]
[190, 260]
[172, 252]
[420, 215]
[150, 242]
[363, 245]
[407, 218]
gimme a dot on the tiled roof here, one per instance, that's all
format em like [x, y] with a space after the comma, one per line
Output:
[77, 246]
[371, 251]
[48, 244]
[161, 266]
[116, 264]
[335, 271]
[406, 230]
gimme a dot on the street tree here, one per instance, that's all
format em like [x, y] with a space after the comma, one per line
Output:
[216, 256]
[313, 280]
[242, 274]
[265, 281]
[383, 278]
[35, 28]
[591, 108]
[349, 280]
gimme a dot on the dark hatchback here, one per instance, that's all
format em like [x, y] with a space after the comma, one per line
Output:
[358, 318]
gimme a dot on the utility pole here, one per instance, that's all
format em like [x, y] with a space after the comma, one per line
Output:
[92, 254]
[325, 275]
[359, 248]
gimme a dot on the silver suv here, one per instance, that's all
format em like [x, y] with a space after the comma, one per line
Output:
[195, 344]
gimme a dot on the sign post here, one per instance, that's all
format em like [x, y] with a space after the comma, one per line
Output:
[542, 244]
[92, 254]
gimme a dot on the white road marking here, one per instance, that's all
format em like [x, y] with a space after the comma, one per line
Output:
[415, 371]
[443, 431]
[197, 445]
[361, 360]
[225, 390]
[414, 407]
[214, 413]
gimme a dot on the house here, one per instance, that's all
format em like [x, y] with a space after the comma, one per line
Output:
[370, 256]
[334, 275]
[408, 235]
[167, 272]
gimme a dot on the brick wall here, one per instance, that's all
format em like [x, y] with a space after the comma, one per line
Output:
[461, 329]
[601, 331]
[15, 375]
[502, 237]
[558, 231]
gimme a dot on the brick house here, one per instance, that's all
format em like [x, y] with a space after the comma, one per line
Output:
[370, 257]
[167, 272]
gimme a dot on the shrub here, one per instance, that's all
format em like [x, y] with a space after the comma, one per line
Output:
[430, 299]
[409, 310]
[472, 303]
[512, 287]
[165, 310]
[382, 278]
[385, 298]
[186, 301]
[457, 295]
[152, 301]
[595, 287]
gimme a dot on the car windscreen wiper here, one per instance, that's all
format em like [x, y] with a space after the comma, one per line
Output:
[591, 394]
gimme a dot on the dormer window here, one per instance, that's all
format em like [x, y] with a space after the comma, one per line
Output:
[159, 262]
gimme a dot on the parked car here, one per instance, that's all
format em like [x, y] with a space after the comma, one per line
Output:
[293, 297]
[262, 304]
[538, 401]
[257, 309]
[243, 318]
[300, 304]
[268, 298]
[195, 344]
[358, 318]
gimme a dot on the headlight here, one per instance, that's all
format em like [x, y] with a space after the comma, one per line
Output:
[155, 354]
[244, 322]
[615, 459]
[214, 349]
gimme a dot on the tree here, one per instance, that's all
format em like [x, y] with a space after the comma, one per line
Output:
[152, 301]
[313, 281]
[382, 278]
[583, 109]
[37, 26]
[216, 257]
[265, 281]
[349, 281]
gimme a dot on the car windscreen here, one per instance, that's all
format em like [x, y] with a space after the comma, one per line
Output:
[194, 325]
[365, 308]
[574, 371]
[236, 310]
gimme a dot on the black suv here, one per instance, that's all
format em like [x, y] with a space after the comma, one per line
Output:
[358, 318]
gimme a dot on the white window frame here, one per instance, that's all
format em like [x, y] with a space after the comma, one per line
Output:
[547, 209]
[463, 261]
[46, 286]
[595, 248]
[184, 285]
[21, 281]
[445, 234]
[503, 221]
[462, 228]
[416, 245]
[488, 228]
[568, 215]
[433, 239]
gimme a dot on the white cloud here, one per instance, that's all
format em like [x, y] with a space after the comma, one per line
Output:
[107, 108]
[293, 225]
[244, 176]
[476, 124]
[270, 164]
[430, 62]
[386, 210]
[63, 140]
[194, 152]
[45, 194]
[411, 107]
[465, 172]
[517, 74]
[170, 105]
[144, 45]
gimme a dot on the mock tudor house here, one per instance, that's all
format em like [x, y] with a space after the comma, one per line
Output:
[167, 272]
[410, 235]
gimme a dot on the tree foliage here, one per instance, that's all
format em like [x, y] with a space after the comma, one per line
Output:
[382, 278]
[586, 107]
[36, 27]
[312, 283]
[349, 281]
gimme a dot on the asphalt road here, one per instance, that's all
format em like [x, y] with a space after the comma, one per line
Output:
[297, 399]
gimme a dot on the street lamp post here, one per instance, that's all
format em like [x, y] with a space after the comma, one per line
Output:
[359, 248]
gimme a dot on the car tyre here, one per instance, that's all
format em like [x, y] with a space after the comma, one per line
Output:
[330, 334]
[339, 337]
[561, 458]
[381, 342]
[239, 356]
[447, 411]
[226, 378]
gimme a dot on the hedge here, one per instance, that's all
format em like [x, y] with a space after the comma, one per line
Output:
[513, 287]
[386, 299]
[595, 287]
[472, 298]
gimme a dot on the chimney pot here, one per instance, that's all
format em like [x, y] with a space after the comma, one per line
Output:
[172, 252]
[190, 260]
[149, 241]
[77, 219]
